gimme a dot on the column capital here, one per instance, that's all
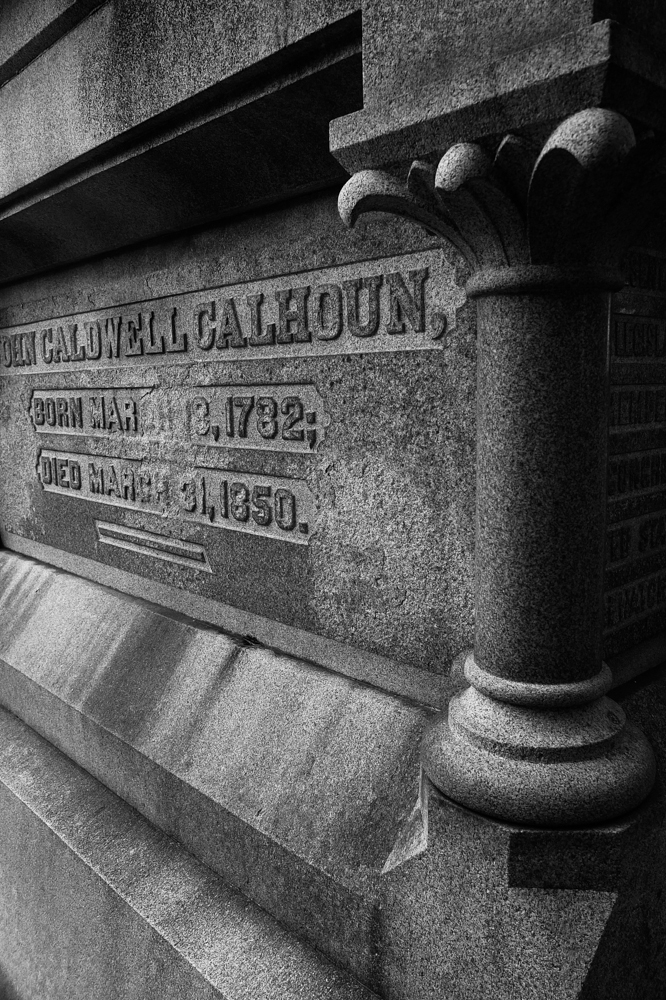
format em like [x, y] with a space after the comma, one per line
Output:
[529, 220]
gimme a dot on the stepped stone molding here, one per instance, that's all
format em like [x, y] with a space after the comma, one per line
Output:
[534, 739]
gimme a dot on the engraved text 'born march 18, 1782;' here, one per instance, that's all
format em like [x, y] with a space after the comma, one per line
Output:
[268, 417]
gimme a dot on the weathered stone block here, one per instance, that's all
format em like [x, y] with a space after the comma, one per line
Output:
[290, 781]
[276, 416]
[97, 904]
[453, 77]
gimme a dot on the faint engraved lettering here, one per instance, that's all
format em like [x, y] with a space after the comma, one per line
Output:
[618, 544]
[636, 473]
[635, 601]
[406, 306]
[354, 291]
[327, 312]
[265, 505]
[350, 308]
[652, 534]
[293, 315]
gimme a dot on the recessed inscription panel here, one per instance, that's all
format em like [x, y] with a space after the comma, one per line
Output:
[635, 600]
[297, 448]
[401, 304]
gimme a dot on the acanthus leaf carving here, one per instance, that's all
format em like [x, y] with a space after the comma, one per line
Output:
[581, 200]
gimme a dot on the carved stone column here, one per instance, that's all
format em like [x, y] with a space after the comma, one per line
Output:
[534, 739]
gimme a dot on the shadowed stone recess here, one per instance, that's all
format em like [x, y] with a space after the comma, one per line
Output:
[460, 74]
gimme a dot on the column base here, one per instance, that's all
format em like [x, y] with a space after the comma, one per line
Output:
[544, 767]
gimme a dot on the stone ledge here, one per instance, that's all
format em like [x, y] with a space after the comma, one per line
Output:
[93, 174]
[25, 33]
[289, 781]
[177, 56]
[97, 902]
[600, 64]
[390, 675]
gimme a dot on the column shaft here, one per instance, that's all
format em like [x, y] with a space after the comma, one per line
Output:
[533, 739]
[541, 472]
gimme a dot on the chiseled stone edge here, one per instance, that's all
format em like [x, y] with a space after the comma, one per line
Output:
[310, 792]
[218, 932]
[390, 675]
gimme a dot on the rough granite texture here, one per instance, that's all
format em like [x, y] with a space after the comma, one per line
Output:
[468, 907]
[290, 781]
[28, 27]
[209, 163]
[388, 567]
[512, 912]
[170, 51]
[452, 78]
[544, 233]
[97, 904]
[541, 486]
[298, 785]
[218, 108]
